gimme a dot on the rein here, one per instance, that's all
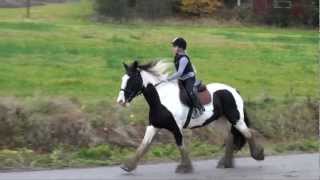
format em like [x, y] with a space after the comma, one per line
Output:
[158, 83]
[133, 94]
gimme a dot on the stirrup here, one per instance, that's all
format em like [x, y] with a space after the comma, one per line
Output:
[196, 113]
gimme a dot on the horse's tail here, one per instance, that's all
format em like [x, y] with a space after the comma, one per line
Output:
[238, 138]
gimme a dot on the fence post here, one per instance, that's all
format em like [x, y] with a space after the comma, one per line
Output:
[238, 3]
[28, 6]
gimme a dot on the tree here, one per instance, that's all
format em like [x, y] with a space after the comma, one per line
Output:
[199, 7]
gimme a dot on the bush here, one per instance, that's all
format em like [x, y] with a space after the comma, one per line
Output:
[117, 9]
[154, 9]
[125, 9]
[285, 121]
[278, 17]
[199, 8]
[43, 126]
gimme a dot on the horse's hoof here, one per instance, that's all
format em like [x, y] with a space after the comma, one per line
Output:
[225, 164]
[184, 169]
[125, 168]
[258, 153]
[128, 167]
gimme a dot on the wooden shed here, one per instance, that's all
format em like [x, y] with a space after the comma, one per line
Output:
[296, 8]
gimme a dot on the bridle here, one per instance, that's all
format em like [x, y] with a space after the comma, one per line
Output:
[133, 94]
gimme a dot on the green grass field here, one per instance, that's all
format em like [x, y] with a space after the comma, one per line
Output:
[59, 52]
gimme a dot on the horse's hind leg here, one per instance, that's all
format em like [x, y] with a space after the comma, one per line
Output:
[131, 164]
[256, 150]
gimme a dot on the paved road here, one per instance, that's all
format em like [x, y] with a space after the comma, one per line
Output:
[290, 167]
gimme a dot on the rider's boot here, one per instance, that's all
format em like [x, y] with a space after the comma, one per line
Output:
[198, 108]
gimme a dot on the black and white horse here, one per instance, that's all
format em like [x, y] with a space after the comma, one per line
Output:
[168, 112]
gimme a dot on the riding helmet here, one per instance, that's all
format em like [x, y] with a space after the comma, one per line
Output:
[179, 42]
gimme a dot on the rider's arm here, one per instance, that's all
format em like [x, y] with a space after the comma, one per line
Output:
[182, 65]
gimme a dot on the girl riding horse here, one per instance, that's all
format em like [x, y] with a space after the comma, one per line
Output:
[185, 73]
[167, 111]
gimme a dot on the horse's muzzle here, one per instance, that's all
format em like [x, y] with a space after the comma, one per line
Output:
[123, 103]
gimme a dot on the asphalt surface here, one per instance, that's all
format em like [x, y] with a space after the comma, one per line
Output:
[289, 167]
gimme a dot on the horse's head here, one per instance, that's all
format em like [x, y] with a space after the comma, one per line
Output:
[131, 85]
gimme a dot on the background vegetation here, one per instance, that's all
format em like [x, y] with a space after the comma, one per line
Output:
[60, 73]
[300, 13]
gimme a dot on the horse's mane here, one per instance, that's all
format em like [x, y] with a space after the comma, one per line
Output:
[160, 68]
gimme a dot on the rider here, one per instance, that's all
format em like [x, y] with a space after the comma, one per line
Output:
[185, 73]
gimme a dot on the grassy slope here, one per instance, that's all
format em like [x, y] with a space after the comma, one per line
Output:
[59, 52]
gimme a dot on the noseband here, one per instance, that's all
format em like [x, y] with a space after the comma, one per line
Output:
[133, 94]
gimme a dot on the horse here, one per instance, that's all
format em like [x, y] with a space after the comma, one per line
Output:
[168, 111]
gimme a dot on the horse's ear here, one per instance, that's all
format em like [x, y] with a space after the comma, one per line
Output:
[125, 66]
[135, 64]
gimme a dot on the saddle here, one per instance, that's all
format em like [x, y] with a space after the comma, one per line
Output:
[203, 94]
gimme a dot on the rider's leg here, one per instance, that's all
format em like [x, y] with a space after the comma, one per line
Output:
[197, 100]
[189, 86]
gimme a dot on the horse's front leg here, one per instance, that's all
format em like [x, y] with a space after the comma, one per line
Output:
[132, 163]
[185, 165]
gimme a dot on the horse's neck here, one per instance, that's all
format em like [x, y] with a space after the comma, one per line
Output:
[151, 95]
[155, 94]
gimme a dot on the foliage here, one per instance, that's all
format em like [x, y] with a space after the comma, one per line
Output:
[288, 120]
[117, 9]
[301, 13]
[42, 125]
[306, 145]
[200, 7]
[154, 9]
[128, 9]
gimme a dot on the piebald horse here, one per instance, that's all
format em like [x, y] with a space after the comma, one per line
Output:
[167, 111]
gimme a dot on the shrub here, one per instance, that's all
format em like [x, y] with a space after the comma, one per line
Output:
[117, 9]
[44, 125]
[154, 9]
[125, 9]
[199, 7]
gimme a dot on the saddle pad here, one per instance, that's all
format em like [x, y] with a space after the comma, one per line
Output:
[204, 97]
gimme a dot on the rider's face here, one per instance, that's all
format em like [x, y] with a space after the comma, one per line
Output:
[174, 50]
